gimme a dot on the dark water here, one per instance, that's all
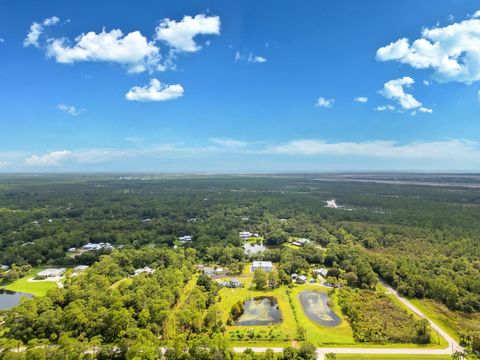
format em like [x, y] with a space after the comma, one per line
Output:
[315, 306]
[10, 299]
[260, 311]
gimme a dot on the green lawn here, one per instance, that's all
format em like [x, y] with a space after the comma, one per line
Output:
[388, 357]
[318, 334]
[34, 288]
[280, 334]
[125, 281]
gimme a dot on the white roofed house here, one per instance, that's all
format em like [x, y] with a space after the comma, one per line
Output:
[210, 271]
[80, 268]
[245, 234]
[145, 270]
[51, 273]
[303, 241]
[322, 272]
[96, 247]
[185, 238]
[301, 279]
[266, 266]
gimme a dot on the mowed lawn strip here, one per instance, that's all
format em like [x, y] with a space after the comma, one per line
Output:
[39, 288]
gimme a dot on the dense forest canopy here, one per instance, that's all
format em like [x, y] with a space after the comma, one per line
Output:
[422, 240]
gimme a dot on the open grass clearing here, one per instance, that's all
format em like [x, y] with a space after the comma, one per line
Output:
[37, 288]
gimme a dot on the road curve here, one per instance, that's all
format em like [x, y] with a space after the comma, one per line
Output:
[449, 350]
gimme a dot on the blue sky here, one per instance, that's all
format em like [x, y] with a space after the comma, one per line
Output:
[239, 86]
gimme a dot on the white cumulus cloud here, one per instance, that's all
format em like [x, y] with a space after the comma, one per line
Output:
[155, 91]
[180, 35]
[54, 158]
[132, 50]
[385, 108]
[395, 90]
[326, 103]
[361, 99]
[36, 30]
[70, 109]
[453, 51]
[256, 59]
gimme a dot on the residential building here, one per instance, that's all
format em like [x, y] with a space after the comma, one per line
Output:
[97, 246]
[80, 268]
[301, 279]
[50, 273]
[210, 271]
[146, 270]
[264, 265]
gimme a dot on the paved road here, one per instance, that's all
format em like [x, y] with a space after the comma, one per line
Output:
[450, 349]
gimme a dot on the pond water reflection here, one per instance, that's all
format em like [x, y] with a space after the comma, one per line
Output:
[260, 311]
[315, 306]
[10, 299]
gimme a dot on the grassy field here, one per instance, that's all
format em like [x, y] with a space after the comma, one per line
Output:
[450, 321]
[280, 333]
[125, 281]
[318, 334]
[34, 288]
[285, 333]
[388, 357]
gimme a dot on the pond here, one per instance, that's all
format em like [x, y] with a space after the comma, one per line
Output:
[262, 310]
[10, 299]
[315, 306]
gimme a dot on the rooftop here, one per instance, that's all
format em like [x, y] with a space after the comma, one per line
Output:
[51, 272]
[262, 264]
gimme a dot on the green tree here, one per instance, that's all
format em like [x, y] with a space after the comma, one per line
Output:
[260, 279]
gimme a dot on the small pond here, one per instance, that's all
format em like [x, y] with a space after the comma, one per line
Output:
[315, 306]
[10, 299]
[262, 310]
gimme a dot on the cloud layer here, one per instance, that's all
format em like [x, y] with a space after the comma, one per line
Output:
[155, 91]
[132, 50]
[36, 30]
[395, 90]
[453, 52]
[453, 150]
[180, 35]
[70, 109]
[325, 103]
